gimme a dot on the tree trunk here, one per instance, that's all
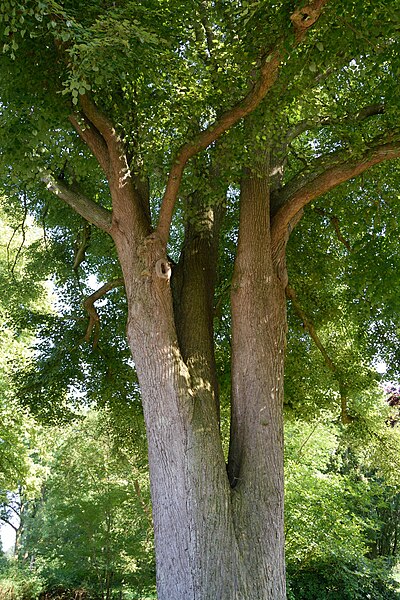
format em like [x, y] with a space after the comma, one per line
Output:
[194, 541]
[256, 446]
[213, 539]
[193, 287]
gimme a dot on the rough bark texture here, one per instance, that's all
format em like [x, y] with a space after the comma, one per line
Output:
[213, 540]
[190, 490]
[256, 450]
[193, 286]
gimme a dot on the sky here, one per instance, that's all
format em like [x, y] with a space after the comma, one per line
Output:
[7, 537]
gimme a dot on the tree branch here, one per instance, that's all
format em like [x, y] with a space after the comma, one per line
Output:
[89, 210]
[23, 235]
[106, 129]
[268, 75]
[325, 173]
[280, 156]
[88, 304]
[302, 20]
[7, 522]
[15, 511]
[308, 325]
[291, 295]
[122, 183]
[320, 121]
[81, 245]
[336, 225]
[94, 140]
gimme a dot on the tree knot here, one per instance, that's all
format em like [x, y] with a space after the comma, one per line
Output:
[304, 18]
[163, 269]
[152, 253]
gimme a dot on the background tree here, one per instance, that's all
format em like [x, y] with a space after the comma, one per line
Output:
[334, 496]
[91, 527]
[23, 301]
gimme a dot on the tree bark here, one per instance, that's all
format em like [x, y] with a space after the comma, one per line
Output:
[190, 490]
[212, 539]
[256, 446]
[193, 286]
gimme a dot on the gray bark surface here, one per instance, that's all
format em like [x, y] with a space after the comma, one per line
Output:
[214, 538]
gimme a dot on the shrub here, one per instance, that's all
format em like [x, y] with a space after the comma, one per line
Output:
[19, 583]
[361, 580]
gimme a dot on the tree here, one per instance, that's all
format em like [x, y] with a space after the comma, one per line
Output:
[89, 530]
[180, 105]
[22, 300]
[338, 510]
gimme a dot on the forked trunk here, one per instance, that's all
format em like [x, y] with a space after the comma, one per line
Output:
[216, 537]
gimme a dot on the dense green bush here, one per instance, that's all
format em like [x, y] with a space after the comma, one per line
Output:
[18, 582]
[338, 580]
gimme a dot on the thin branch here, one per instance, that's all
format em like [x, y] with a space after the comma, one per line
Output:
[9, 523]
[336, 225]
[15, 511]
[88, 304]
[94, 140]
[320, 121]
[23, 232]
[357, 32]
[291, 295]
[89, 210]
[325, 174]
[307, 439]
[302, 20]
[82, 245]
[43, 221]
[308, 325]
[207, 27]
[14, 233]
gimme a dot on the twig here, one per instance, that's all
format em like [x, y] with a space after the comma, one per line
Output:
[22, 227]
[308, 325]
[335, 222]
[299, 451]
[81, 245]
[94, 318]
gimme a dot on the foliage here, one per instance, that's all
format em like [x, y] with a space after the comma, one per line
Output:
[161, 71]
[336, 580]
[23, 302]
[150, 67]
[337, 512]
[18, 582]
[91, 527]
